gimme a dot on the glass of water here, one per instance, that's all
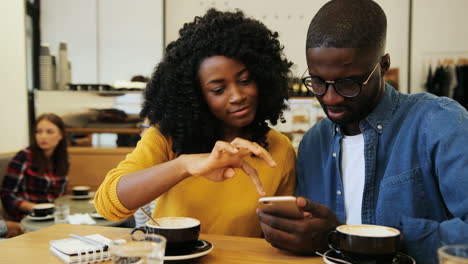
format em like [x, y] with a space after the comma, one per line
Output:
[453, 254]
[62, 213]
[141, 249]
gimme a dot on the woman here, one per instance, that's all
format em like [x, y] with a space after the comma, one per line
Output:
[205, 155]
[37, 174]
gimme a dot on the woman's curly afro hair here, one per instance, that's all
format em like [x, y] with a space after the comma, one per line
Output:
[173, 97]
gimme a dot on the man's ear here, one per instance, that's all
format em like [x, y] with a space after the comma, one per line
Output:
[385, 64]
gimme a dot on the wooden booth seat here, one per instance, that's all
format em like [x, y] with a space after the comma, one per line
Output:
[4, 160]
[89, 166]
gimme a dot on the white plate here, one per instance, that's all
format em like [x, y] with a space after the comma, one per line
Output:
[81, 197]
[40, 218]
[201, 250]
[96, 215]
[329, 253]
[400, 258]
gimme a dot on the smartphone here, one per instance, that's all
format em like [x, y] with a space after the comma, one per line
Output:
[280, 205]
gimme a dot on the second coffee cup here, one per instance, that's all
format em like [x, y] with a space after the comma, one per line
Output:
[181, 233]
[365, 242]
[43, 209]
[80, 190]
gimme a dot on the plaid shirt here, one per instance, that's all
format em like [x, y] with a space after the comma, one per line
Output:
[22, 182]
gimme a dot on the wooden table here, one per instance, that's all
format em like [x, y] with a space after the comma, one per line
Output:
[76, 206]
[33, 247]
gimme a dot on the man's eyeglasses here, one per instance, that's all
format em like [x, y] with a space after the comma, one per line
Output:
[344, 87]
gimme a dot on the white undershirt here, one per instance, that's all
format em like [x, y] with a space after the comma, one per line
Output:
[352, 172]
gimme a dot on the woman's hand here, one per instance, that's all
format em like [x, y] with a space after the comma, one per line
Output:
[14, 229]
[26, 206]
[220, 163]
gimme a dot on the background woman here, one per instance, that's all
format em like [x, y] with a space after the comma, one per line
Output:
[209, 101]
[37, 174]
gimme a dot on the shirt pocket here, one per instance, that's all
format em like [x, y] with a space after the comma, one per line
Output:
[401, 195]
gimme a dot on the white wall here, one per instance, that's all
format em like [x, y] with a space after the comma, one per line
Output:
[291, 19]
[130, 38]
[75, 23]
[397, 12]
[108, 40]
[440, 30]
[13, 88]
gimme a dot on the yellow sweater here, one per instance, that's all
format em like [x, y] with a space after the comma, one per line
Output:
[226, 208]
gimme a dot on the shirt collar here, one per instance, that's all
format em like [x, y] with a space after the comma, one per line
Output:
[379, 118]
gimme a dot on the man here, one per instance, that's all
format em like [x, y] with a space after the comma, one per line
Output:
[381, 157]
[10, 229]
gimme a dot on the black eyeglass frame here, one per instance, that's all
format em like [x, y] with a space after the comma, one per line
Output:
[327, 83]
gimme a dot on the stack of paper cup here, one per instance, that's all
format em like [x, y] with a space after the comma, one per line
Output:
[69, 74]
[64, 67]
[47, 69]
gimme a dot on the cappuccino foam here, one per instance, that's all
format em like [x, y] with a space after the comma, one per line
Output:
[174, 222]
[44, 206]
[368, 230]
[81, 188]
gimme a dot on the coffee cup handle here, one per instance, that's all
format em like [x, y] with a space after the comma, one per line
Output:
[332, 241]
[137, 229]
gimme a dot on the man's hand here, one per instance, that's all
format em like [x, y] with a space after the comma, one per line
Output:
[14, 229]
[303, 236]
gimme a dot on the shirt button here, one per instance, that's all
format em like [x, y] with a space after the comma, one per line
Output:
[334, 154]
[338, 192]
[379, 127]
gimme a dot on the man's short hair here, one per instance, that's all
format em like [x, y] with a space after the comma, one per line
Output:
[348, 24]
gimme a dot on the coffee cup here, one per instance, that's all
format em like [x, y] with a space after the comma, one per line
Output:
[357, 243]
[453, 254]
[80, 190]
[181, 233]
[43, 209]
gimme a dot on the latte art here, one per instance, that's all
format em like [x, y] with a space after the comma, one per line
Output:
[368, 230]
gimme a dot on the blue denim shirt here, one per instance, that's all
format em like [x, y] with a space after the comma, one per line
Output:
[416, 170]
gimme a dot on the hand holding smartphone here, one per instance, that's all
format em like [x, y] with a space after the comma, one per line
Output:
[281, 206]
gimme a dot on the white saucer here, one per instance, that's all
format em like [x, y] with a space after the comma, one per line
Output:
[40, 218]
[81, 197]
[202, 248]
[400, 258]
[96, 215]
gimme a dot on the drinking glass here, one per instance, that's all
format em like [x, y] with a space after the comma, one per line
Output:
[453, 254]
[141, 249]
[62, 213]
